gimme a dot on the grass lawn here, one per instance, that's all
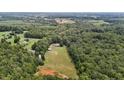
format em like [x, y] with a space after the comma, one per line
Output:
[12, 39]
[59, 60]
[29, 44]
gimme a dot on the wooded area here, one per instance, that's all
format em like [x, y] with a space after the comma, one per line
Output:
[95, 47]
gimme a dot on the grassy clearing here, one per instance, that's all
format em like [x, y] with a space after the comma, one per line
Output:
[22, 39]
[13, 22]
[31, 42]
[2, 34]
[97, 22]
[59, 60]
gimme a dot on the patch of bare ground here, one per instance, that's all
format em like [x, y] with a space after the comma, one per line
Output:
[50, 72]
[64, 21]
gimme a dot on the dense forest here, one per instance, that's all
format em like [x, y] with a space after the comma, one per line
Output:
[16, 62]
[95, 46]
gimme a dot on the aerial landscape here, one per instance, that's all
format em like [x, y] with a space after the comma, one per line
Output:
[61, 46]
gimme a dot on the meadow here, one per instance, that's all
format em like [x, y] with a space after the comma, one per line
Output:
[59, 60]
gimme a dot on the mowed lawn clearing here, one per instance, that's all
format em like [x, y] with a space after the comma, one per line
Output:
[58, 59]
[22, 41]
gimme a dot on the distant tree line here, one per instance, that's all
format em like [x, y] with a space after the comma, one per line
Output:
[15, 29]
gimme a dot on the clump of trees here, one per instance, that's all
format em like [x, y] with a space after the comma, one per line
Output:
[39, 32]
[16, 39]
[16, 29]
[33, 34]
[41, 47]
[16, 63]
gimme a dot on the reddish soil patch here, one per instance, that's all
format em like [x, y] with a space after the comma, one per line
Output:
[47, 71]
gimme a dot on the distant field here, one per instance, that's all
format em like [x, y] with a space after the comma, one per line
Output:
[97, 22]
[59, 60]
[12, 22]
[16, 23]
[23, 23]
[122, 19]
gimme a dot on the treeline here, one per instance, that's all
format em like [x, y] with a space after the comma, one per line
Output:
[16, 29]
[16, 63]
[39, 32]
[34, 34]
[41, 47]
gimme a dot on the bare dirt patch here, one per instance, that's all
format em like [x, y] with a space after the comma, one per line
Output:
[51, 72]
[64, 21]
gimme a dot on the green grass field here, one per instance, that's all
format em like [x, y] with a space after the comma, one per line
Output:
[59, 60]
[29, 43]
[97, 22]
[13, 22]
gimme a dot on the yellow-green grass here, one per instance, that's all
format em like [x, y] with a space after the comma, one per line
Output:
[13, 22]
[98, 22]
[2, 34]
[12, 39]
[30, 43]
[59, 60]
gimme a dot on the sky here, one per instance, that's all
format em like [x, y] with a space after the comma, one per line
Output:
[61, 5]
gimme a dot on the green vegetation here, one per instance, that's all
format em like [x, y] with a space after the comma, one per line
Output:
[16, 62]
[97, 22]
[91, 48]
[28, 42]
[98, 55]
[58, 59]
